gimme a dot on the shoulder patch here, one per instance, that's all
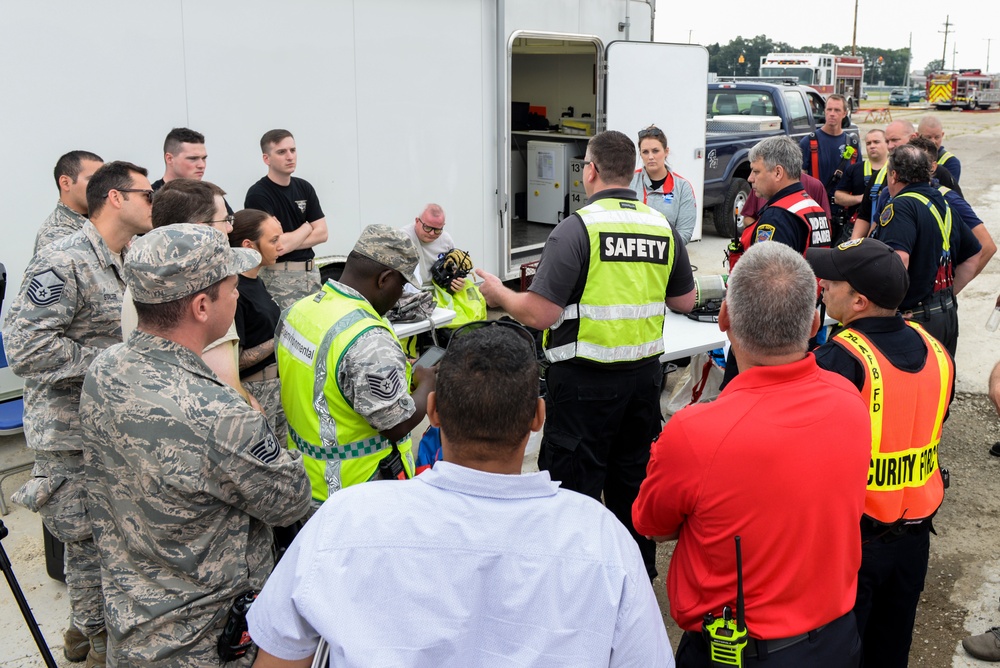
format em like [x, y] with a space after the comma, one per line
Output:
[267, 450]
[384, 387]
[46, 288]
[886, 215]
[764, 233]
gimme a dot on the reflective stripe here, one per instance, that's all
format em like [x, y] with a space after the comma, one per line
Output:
[369, 446]
[912, 467]
[600, 216]
[327, 425]
[945, 157]
[943, 225]
[616, 312]
[603, 354]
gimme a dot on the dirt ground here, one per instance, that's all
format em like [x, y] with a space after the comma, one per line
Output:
[963, 581]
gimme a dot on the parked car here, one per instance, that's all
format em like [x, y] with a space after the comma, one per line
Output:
[902, 97]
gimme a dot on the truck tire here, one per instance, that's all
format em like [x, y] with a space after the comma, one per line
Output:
[726, 215]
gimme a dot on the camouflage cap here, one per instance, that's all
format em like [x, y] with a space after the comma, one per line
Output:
[391, 248]
[175, 261]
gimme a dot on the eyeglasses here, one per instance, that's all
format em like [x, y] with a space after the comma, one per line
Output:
[591, 162]
[430, 230]
[470, 327]
[651, 131]
[228, 219]
[147, 193]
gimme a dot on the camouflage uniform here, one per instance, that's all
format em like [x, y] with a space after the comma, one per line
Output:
[62, 222]
[268, 395]
[287, 287]
[66, 314]
[183, 477]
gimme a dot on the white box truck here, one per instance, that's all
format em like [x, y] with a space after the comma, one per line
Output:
[393, 103]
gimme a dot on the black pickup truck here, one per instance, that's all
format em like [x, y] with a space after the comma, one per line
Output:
[740, 114]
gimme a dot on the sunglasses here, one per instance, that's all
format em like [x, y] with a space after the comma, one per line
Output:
[651, 131]
[470, 327]
[147, 193]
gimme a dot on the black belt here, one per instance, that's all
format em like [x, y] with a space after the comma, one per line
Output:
[924, 309]
[894, 530]
[758, 647]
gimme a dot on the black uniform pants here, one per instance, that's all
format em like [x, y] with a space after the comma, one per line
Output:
[942, 325]
[599, 426]
[836, 645]
[890, 581]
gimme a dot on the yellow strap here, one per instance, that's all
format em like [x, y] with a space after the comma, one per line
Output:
[943, 225]
[942, 361]
[849, 337]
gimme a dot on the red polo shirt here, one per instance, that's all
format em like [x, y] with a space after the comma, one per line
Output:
[780, 459]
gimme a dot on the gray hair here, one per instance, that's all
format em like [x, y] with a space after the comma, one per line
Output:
[771, 300]
[911, 164]
[782, 151]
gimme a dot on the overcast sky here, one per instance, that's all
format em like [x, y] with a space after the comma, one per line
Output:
[882, 23]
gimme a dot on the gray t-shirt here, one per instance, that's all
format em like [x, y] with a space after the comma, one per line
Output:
[429, 252]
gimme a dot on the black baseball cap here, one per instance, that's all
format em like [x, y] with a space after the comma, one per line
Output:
[868, 266]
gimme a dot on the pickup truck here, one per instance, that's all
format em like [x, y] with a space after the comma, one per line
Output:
[740, 114]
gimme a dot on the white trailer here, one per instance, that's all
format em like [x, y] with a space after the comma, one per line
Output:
[393, 103]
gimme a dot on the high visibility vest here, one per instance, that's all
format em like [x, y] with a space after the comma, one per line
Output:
[468, 303]
[339, 447]
[945, 157]
[876, 185]
[945, 275]
[619, 316]
[904, 480]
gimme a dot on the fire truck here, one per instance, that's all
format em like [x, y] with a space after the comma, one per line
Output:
[825, 72]
[967, 89]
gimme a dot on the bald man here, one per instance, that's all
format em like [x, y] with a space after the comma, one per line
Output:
[930, 127]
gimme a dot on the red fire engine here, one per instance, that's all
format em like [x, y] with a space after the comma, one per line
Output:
[965, 88]
[825, 72]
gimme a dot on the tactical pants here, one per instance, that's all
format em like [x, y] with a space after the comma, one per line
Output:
[268, 394]
[287, 287]
[600, 424]
[58, 493]
[890, 581]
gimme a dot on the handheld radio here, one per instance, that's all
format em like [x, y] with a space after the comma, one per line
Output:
[727, 638]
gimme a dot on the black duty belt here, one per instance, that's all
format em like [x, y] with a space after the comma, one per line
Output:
[923, 310]
[894, 530]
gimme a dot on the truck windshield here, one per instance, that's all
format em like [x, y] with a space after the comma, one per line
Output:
[745, 103]
[804, 74]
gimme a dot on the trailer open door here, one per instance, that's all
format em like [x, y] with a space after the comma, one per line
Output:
[664, 85]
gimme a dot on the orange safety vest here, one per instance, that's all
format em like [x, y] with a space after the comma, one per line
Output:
[904, 479]
[805, 208]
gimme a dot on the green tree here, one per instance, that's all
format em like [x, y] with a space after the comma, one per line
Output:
[933, 66]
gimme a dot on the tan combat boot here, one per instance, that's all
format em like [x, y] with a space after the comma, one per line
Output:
[76, 646]
[98, 653]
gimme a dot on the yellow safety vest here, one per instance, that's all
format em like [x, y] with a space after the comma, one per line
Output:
[619, 317]
[945, 157]
[338, 445]
[904, 479]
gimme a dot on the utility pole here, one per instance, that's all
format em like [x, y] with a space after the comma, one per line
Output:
[944, 49]
[988, 41]
[854, 35]
[909, 62]
[954, 52]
